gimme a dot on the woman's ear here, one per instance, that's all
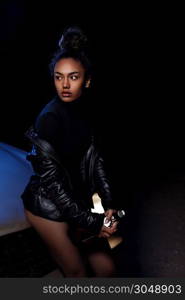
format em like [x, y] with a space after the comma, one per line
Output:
[87, 84]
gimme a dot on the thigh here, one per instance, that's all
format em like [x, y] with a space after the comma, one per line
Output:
[55, 235]
[100, 259]
[102, 265]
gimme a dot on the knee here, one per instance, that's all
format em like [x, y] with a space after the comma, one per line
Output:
[70, 270]
[73, 273]
[108, 270]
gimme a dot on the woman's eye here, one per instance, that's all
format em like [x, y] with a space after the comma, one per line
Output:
[74, 77]
[58, 77]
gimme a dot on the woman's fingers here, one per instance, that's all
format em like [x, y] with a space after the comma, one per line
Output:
[104, 234]
[109, 213]
[108, 231]
[107, 235]
[114, 226]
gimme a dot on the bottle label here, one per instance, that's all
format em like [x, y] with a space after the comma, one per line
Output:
[107, 222]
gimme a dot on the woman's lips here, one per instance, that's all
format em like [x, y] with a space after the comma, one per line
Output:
[66, 94]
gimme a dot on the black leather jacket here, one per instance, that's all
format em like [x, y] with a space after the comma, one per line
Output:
[48, 193]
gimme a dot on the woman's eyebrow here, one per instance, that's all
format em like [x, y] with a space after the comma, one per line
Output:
[71, 73]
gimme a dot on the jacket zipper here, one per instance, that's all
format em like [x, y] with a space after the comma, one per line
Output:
[91, 166]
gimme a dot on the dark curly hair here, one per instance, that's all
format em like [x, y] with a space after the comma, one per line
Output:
[73, 44]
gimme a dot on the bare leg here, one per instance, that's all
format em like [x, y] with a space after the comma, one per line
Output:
[65, 253]
[102, 264]
[99, 258]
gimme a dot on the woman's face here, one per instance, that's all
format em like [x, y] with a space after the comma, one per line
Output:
[69, 79]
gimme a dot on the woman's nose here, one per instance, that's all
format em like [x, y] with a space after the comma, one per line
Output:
[66, 83]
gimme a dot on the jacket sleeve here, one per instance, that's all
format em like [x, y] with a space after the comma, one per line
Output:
[102, 183]
[56, 186]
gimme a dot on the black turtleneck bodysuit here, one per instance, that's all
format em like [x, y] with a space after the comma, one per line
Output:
[67, 127]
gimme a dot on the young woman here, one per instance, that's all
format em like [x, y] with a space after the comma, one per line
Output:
[69, 169]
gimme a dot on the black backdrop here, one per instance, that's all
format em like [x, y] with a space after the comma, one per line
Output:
[136, 85]
[136, 59]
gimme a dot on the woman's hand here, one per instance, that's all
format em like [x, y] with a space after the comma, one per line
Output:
[108, 231]
[109, 213]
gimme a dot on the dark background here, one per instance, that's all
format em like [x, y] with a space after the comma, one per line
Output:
[137, 56]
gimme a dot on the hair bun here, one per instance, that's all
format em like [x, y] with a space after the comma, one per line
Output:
[73, 38]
